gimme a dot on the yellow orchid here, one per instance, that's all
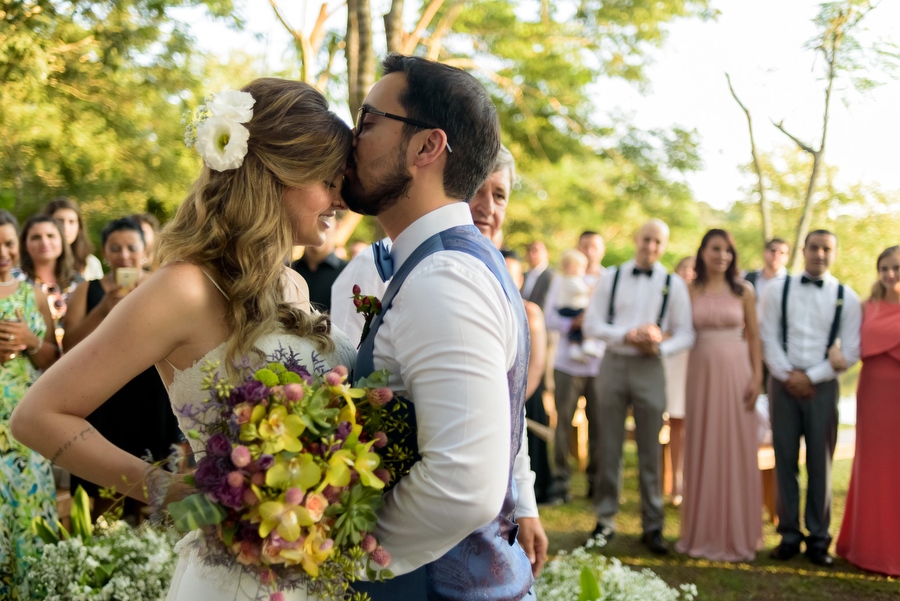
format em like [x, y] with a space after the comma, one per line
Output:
[280, 431]
[338, 473]
[300, 471]
[365, 465]
[284, 519]
[315, 551]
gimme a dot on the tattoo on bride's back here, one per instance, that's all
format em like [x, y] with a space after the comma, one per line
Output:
[80, 436]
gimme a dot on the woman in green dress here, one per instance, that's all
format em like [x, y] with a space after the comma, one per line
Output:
[27, 345]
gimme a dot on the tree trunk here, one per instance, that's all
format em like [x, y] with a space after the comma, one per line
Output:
[393, 26]
[764, 210]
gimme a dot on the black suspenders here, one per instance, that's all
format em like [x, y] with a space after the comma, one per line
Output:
[835, 323]
[611, 314]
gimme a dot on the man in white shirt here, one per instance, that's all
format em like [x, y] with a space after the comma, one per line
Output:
[630, 310]
[574, 377]
[775, 257]
[451, 335]
[539, 276]
[803, 388]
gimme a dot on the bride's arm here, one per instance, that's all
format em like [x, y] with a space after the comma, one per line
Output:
[163, 314]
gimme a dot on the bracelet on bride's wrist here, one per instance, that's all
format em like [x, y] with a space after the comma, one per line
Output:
[35, 350]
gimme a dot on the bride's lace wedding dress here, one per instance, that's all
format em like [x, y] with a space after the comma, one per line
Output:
[193, 580]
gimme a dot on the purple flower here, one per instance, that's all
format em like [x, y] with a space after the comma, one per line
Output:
[252, 391]
[264, 462]
[212, 472]
[343, 431]
[230, 496]
[218, 445]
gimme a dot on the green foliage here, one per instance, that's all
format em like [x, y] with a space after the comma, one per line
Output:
[195, 511]
[590, 588]
[93, 94]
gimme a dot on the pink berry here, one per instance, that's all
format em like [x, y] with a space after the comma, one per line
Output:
[380, 396]
[356, 289]
[383, 475]
[250, 498]
[235, 479]
[341, 370]
[381, 556]
[259, 478]
[333, 379]
[368, 543]
[357, 303]
[240, 456]
[279, 596]
[381, 440]
[293, 392]
[294, 496]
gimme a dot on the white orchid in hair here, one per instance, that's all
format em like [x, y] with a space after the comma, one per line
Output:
[218, 134]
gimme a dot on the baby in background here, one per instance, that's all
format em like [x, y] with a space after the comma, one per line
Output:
[574, 295]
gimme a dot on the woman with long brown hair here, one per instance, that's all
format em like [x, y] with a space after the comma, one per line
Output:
[721, 517]
[271, 179]
[67, 212]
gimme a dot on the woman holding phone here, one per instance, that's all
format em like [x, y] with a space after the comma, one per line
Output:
[26, 347]
[137, 418]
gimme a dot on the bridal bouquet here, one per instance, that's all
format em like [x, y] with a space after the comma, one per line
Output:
[294, 471]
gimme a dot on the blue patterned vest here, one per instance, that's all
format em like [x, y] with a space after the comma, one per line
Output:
[488, 564]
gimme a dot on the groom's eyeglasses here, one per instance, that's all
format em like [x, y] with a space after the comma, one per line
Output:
[363, 110]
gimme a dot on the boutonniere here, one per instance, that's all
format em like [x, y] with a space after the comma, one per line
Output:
[369, 306]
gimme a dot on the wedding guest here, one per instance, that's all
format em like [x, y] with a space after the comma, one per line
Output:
[150, 228]
[802, 317]
[534, 389]
[775, 256]
[721, 517]
[66, 211]
[573, 297]
[675, 367]
[137, 418]
[26, 347]
[320, 267]
[574, 378]
[539, 274]
[870, 533]
[48, 263]
[630, 310]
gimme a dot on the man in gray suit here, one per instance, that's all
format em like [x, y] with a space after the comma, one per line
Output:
[539, 276]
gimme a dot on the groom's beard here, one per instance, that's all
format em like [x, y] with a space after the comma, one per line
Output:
[384, 194]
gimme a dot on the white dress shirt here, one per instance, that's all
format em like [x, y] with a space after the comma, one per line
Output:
[809, 318]
[448, 341]
[762, 284]
[360, 271]
[557, 323]
[638, 301]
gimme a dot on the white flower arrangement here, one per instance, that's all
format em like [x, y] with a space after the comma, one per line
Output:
[120, 563]
[585, 575]
[218, 133]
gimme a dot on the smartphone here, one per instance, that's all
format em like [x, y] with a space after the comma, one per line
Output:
[127, 277]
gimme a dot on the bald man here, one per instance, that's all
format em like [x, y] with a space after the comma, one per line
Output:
[642, 313]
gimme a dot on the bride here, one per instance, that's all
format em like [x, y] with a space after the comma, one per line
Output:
[223, 293]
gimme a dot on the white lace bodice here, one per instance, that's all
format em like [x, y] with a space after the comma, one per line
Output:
[187, 397]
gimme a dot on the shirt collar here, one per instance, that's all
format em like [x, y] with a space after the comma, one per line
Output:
[825, 277]
[427, 225]
[630, 264]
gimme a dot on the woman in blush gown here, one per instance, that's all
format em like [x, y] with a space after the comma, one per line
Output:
[273, 158]
[721, 517]
[870, 532]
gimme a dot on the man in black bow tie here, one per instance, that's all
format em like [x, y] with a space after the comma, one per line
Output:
[642, 313]
[802, 319]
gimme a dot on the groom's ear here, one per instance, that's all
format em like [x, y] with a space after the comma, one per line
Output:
[431, 146]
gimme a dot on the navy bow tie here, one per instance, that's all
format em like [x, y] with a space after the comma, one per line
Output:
[383, 261]
[639, 271]
[806, 280]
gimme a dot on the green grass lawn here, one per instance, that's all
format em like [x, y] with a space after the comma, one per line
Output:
[763, 580]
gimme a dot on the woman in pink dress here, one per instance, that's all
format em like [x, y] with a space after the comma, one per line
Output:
[721, 517]
[870, 533]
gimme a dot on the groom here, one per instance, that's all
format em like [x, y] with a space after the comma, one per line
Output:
[453, 335]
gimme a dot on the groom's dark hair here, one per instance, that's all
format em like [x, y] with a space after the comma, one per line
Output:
[454, 101]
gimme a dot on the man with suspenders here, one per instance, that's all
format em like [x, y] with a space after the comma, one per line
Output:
[802, 317]
[633, 310]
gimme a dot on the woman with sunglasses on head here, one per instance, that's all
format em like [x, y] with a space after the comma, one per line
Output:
[66, 211]
[26, 347]
[138, 417]
[48, 263]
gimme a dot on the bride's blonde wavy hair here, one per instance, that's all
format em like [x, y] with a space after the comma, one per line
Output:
[234, 223]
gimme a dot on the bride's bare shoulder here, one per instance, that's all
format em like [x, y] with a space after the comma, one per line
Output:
[186, 284]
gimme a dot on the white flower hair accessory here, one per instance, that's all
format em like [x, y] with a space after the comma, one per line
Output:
[217, 133]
